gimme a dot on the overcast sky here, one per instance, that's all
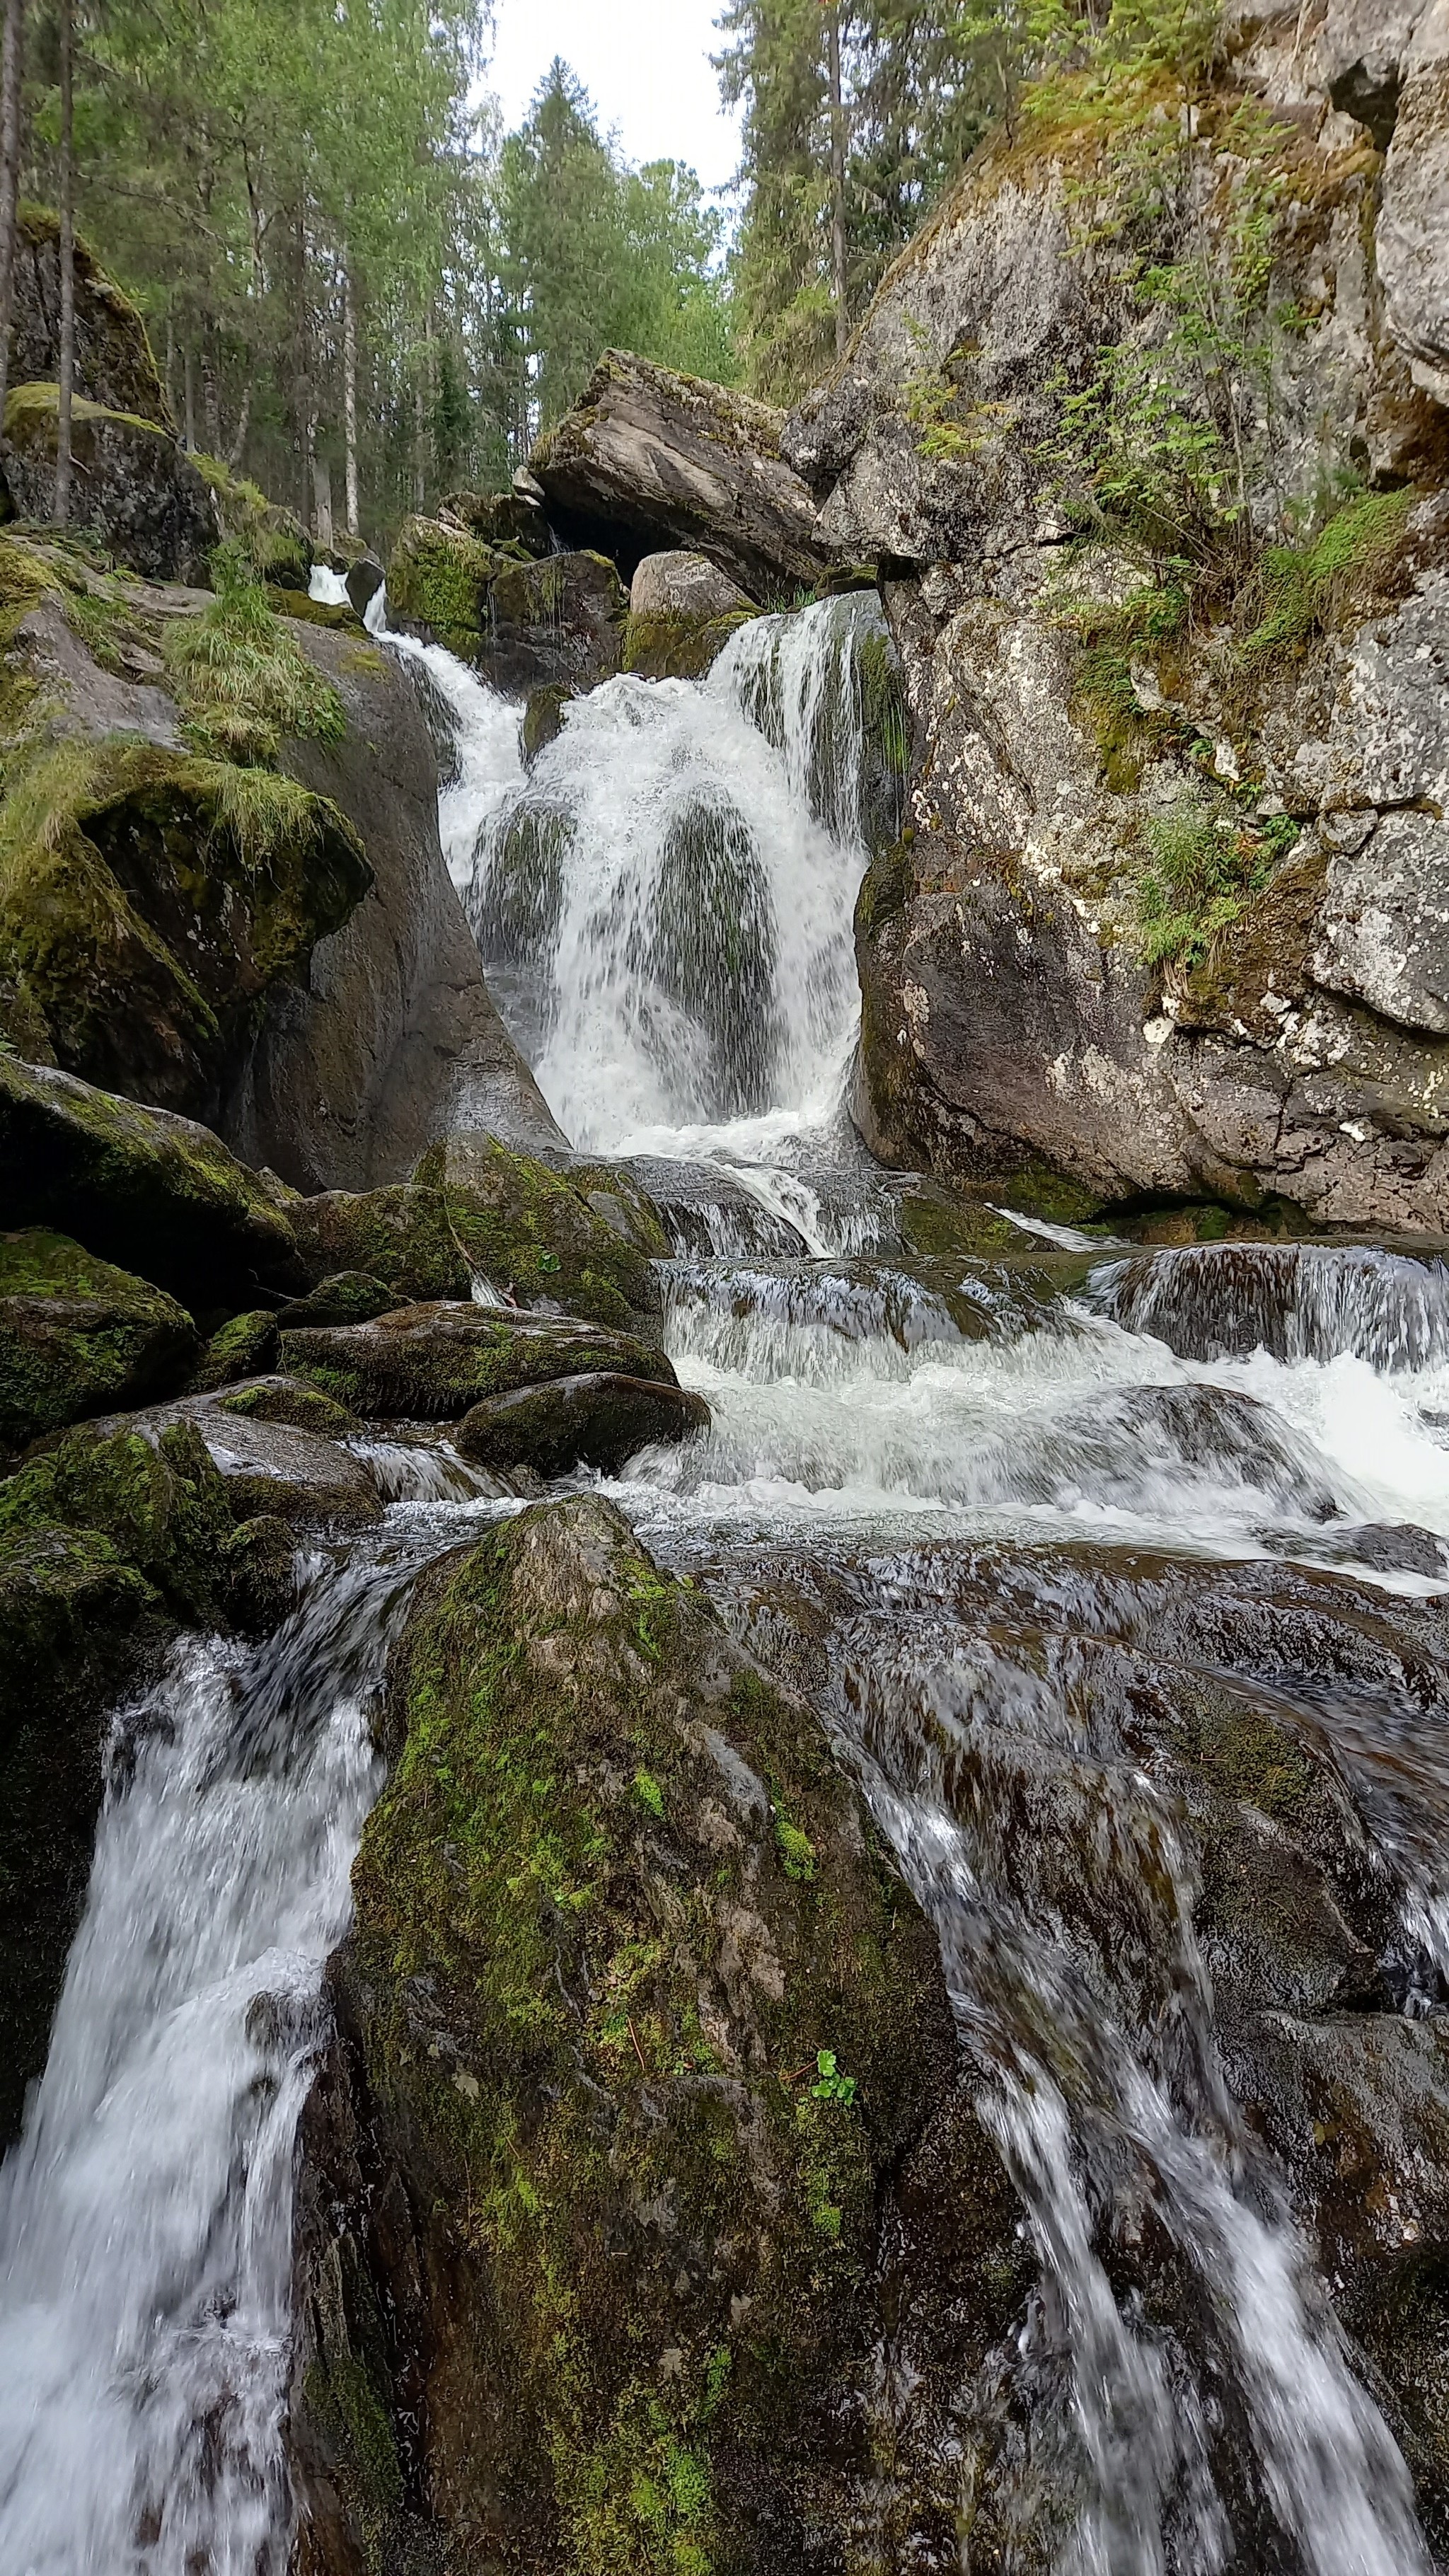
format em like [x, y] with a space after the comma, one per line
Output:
[645, 63]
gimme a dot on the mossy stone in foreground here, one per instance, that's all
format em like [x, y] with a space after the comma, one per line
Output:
[159, 1502]
[78, 1337]
[642, 2023]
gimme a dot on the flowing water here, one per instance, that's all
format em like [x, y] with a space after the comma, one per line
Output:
[996, 1513]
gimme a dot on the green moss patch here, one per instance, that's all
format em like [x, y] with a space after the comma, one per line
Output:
[242, 679]
[79, 1337]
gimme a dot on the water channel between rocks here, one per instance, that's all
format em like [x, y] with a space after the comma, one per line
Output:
[1033, 1531]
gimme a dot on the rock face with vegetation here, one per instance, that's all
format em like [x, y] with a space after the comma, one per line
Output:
[649, 460]
[522, 622]
[1172, 610]
[140, 496]
[221, 889]
[108, 1541]
[113, 362]
[643, 2063]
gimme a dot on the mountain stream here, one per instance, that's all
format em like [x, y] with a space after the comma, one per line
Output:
[1022, 1523]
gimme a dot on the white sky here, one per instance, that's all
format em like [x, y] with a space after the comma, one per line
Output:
[645, 64]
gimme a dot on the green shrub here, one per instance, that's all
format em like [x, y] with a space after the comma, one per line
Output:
[1203, 867]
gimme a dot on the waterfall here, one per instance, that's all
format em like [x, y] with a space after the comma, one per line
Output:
[996, 1512]
[663, 898]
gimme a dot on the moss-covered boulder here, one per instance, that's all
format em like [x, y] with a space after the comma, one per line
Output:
[114, 364]
[155, 1193]
[500, 519]
[152, 901]
[475, 1206]
[247, 1346]
[521, 623]
[347, 1297]
[77, 1624]
[679, 648]
[432, 1362]
[275, 1398]
[157, 1499]
[598, 1420]
[271, 536]
[79, 1337]
[640, 2032]
[134, 488]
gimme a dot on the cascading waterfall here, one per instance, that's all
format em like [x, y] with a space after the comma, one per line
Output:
[999, 1488]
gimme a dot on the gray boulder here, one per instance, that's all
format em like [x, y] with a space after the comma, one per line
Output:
[394, 1040]
[433, 1362]
[649, 459]
[680, 584]
[134, 488]
[598, 1419]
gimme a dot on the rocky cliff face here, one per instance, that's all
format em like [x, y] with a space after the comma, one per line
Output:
[1148, 434]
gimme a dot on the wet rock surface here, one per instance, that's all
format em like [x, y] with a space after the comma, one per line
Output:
[642, 2114]
[1197, 1820]
[599, 1419]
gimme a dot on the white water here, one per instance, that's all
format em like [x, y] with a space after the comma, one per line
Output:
[145, 2218]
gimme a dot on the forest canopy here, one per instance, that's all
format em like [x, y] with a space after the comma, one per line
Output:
[364, 294]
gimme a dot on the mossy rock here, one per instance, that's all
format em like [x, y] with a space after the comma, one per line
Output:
[339, 619]
[159, 1501]
[475, 1205]
[440, 579]
[247, 1346]
[153, 900]
[77, 1625]
[595, 1420]
[643, 2025]
[500, 519]
[288, 1400]
[432, 1362]
[543, 718]
[273, 538]
[152, 1192]
[79, 1337]
[134, 489]
[348, 1297]
[114, 363]
[680, 648]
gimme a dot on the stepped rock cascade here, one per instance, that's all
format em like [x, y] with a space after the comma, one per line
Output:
[1116, 1579]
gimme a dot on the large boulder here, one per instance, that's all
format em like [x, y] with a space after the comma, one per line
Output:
[599, 1419]
[682, 612]
[432, 1362]
[522, 623]
[78, 1337]
[269, 1459]
[649, 460]
[134, 488]
[156, 1193]
[1167, 919]
[476, 1207]
[395, 1040]
[113, 361]
[641, 2130]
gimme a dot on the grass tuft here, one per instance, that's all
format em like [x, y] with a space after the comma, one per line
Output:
[242, 678]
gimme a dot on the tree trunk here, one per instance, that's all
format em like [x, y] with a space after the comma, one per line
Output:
[188, 380]
[322, 501]
[837, 178]
[12, 52]
[237, 449]
[210, 389]
[67, 272]
[349, 396]
[420, 449]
